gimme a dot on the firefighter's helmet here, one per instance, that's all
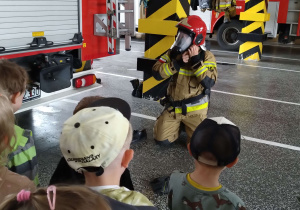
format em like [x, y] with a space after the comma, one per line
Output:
[195, 27]
[191, 30]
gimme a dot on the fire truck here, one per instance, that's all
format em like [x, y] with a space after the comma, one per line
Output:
[284, 21]
[52, 39]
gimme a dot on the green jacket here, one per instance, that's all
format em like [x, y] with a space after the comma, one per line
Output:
[22, 159]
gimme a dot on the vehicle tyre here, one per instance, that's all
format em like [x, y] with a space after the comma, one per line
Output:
[227, 35]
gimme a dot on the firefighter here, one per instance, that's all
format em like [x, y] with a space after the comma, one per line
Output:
[226, 6]
[193, 72]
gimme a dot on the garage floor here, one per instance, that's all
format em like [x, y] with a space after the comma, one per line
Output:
[262, 98]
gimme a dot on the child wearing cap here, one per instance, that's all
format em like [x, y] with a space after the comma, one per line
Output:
[215, 144]
[22, 159]
[63, 173]
[96, 142]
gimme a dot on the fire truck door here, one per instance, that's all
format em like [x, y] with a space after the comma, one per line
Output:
[93, 46]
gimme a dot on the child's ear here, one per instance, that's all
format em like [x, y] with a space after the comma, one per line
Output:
[189, 149]
[233, 163]
[128, 155]
[14, 97]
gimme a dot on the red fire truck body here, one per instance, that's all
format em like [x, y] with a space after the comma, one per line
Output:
[283, 12]
[91, 46]
[52, 38]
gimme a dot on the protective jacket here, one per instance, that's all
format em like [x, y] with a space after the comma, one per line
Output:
[217, 5]
[189, 80]
[222, 5]
[22, 159]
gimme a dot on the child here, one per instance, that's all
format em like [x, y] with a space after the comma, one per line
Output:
[64, 173]
[22, 159]
[56, 198]
[95, 141]
[64, 198]
[10, 182]
[215, 144]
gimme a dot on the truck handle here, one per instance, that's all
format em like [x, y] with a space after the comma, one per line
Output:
[37, 41]
[77, 38]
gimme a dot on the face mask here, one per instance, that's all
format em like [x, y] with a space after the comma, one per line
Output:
[182, 43]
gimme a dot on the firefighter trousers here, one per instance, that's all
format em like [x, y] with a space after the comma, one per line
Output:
[167, 125]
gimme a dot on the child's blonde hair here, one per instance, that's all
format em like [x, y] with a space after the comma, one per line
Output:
[13, 78]
[67, 198]
[7, 132]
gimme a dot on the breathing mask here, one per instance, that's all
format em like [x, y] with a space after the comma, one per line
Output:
[182, 43]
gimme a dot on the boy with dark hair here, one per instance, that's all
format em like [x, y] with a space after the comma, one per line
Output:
[22, 159]
[96, 142]
[215, 144]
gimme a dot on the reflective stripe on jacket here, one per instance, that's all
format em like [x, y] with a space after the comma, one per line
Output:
[222, 4]
[22, 159]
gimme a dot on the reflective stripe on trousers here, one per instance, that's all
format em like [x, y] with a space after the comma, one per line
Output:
[201, 104]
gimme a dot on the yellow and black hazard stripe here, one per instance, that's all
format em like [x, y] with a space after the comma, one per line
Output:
[160, 30]
[253, 32]
[159, 25]
[167, 9]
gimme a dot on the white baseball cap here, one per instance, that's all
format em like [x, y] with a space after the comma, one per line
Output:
[93, 137]
[222, 120]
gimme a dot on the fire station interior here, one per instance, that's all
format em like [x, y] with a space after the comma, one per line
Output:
[262, 97]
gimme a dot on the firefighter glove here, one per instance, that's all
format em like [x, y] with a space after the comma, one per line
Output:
[198, 58]
[176, 64]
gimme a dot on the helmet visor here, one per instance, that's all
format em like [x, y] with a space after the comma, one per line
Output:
[183, 41]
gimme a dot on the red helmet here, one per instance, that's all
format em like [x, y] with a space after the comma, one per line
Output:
[195, 27]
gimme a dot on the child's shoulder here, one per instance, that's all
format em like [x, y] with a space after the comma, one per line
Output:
[177, 175]
[16, 180]
[232, 197]
[21, 131]
[21, 137]
[124, 195]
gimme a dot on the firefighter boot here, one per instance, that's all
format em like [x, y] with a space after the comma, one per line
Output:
[135, 84]
[139, 91]
[163, 143]
[139, 135]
